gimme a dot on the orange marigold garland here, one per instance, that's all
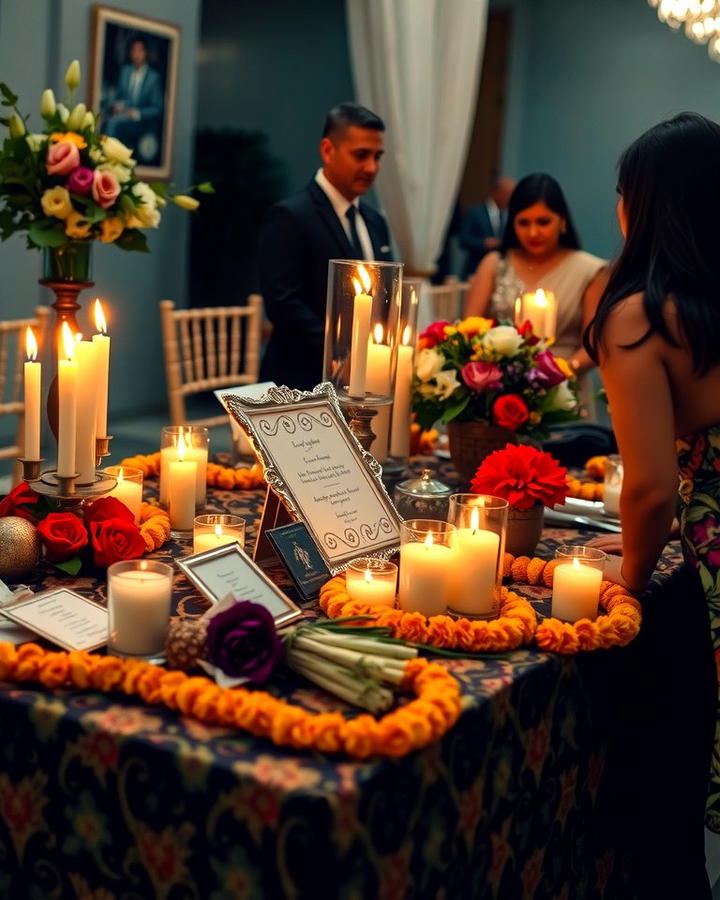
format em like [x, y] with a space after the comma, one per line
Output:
[418, 723]
[217, 476]
[154, 526]
[516, 625]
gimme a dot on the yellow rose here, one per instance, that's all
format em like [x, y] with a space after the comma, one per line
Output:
[564, 367]
[474, 325]
[56, 202]
[77, 226]
[70, 137]
[111, 229]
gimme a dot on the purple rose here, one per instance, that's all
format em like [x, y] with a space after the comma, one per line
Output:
[481, 376]
[704, 537]
[243, 642]
[547, 369]
[80, 181]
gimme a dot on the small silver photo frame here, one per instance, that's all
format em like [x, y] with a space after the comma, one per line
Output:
[216, 573]
[314, 464]
[62, 617]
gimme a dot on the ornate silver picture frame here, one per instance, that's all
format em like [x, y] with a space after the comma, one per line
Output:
[316, 466]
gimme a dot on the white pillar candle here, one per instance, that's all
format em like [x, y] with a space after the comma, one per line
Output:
[540, 308]
[86, 356]
[425, 572]
[377, 381]
[181, 490]
[368, 589]
[67, 405]
[400, 431]
[139, 606]
[218, 537]
[103, 371]
[576, 591]
[362, 310]
[474, 578]
[611, 498]
[31, 384]
[128, 492]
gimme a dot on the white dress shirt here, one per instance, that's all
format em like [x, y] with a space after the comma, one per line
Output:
[341, 205]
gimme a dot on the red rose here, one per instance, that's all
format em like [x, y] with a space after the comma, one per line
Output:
[106, 508]
[526, 330]
[115, 539]
[434, 334]
[63, 535]
[19, 502]
[510, 411]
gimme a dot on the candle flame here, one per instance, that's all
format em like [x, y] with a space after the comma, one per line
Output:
[368, 576]
[357, 286]
[378, 333]
[414, 299]
[100, 322]
[365, 278]
[475, 518]
[31, 346]
[68, 341]
[576, 563]
[407, 334]
[428, 540]
[181, 447]
[120, 475]
[540, 298]
[518, 308]
[78, 337]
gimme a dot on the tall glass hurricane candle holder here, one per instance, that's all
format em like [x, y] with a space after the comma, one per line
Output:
[139, 601]
[195, 446]
[613, 485]
[480, 521]
[576, 582]
[427, 558]
[402, 398]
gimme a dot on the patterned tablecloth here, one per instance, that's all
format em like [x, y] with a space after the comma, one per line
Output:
[102, 797]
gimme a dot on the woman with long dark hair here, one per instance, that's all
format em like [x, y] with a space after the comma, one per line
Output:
[540, 248]
[657, 337]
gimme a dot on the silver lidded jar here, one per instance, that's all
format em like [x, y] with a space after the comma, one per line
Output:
[422, 498]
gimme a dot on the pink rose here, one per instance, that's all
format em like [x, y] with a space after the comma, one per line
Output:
[80, 181]
[548, 371]
[105, 188]
[62, 158]
[481, 376]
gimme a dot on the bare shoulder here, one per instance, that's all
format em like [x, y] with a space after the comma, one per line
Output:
[488, 264]
[626, 321]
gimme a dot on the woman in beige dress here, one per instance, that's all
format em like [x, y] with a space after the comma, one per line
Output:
[540, 249]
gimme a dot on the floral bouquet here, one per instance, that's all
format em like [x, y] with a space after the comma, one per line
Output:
[522, 475]
[477, 371]
[69, 183]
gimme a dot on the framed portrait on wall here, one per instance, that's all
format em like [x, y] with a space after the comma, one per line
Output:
[133, 65]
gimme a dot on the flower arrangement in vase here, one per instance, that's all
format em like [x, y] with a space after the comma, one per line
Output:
[529, 479]
[489, 384]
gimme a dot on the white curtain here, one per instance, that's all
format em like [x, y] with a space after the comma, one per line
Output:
[416, 63]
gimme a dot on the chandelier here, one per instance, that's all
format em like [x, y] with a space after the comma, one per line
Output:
[700, 18]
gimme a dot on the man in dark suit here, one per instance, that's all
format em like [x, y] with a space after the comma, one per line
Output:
[326, 220]
[483, 225]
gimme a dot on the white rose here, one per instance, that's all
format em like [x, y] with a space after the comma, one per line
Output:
[146, 205]
[503, 340]
[122, 173]
[562, 397]
[428, 362]
[446, 382]
[116, 151]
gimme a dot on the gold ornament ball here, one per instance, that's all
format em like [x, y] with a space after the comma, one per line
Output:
[19, 548]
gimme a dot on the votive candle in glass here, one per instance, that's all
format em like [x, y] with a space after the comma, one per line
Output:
[215, 530]
[540, 309]
[427, 558]
[479, 542]
[613, 485]
[372, 581]
[196, 441]
[576, 582]
[129, 487]
[139, 595]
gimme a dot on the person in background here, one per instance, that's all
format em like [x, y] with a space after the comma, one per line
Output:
[656, 335]
[483, 225]
[540, 248]
[137, 106]
[326, 220]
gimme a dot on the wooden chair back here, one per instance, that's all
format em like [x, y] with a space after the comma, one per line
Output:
[209, 348]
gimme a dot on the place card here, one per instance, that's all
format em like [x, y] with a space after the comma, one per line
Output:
[216, 573]
[254, 391]
[301, 557]
[62, 617]
[314, 463]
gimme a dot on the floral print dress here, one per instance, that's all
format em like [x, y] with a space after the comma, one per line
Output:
[699, 461]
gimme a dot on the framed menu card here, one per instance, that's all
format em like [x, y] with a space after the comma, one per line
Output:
[316, 466]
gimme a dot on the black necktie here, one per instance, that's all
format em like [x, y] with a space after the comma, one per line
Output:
[354, 237]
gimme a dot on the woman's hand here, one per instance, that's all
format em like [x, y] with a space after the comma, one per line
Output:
[608, 543]
[613, 571]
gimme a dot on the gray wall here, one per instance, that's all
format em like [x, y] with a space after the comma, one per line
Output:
[586, 79]
[277, 68]
[38, 38]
